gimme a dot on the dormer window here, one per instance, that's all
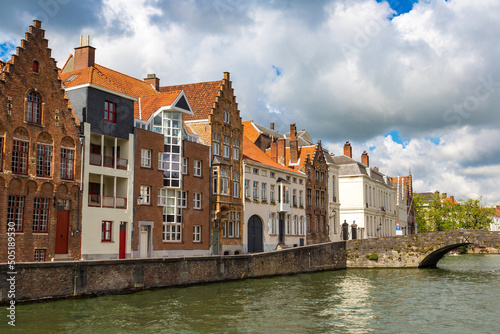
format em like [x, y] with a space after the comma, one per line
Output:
[110, 111]
[33, 115]
[35, 67]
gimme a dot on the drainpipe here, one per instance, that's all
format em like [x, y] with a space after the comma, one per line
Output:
[82, 155]
[210, 200]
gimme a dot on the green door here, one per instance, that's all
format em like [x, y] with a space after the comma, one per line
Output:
[215, 247]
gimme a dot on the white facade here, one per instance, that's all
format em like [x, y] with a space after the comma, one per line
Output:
[107, 195]
[401, 209]
[368, 200]
[495, 225]
[333, 199]
[272, 194]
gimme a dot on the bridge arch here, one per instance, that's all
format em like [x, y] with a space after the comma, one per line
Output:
[431, 260]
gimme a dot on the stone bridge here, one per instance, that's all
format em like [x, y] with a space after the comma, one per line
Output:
[422, 250]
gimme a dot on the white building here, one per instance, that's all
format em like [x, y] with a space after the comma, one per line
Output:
[274, 213]
[495, 225]
[368, 199]
[333, 198]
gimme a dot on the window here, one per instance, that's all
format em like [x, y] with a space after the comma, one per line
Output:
[40, 255]
[184, 165]
[295, 227]
[169, 124]
[216, 145]
[226, 147]
[301, 200]
[256, 171]
[197, 201]
[271, 193]
[294, 197]
[294, 180]
[15, 212]
[288, 226]
[236, 149]
[43, 160]
[247, 189]
[309, 197]
[264, 192]
[172, 218]
[224, 181]
[272, 223]
[197, 168]
[182, 199]
[215, 179]
[308, 222]
[106, 231]
[145, 158]
[145, 195]
[232, 225]
[271, 174]
[34, 112]
[227, 117]
[36, 66]
[110, 111]
[334, 199]
[317, 198]
[67, 163]
[322, 199]
[255, 190]
[1, 153]
[316, 224]
[236, 185]
[40, 214]
[322, 224]
[301, 225]
[197, 233]
[162, 197]
[20, 157]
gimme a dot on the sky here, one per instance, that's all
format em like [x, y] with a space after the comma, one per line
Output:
[414, 83]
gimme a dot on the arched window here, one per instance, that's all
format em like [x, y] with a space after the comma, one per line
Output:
[35, 66]
[34, 112]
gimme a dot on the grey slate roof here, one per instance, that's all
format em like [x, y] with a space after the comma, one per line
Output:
[349, 166]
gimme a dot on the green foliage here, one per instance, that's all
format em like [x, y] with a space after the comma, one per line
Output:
[372, 256]
[436, 215]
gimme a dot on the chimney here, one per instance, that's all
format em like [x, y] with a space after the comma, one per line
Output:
[271, 126]
[274, 151]
[375, 168]
[294, 146]
[281, 156]
[365, 159]
[84, 54]
[347, 149]
[444, 195]
[498, 207]
[153, 80]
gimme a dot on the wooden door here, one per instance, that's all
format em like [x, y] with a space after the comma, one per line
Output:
[123, 240]
[62, 230]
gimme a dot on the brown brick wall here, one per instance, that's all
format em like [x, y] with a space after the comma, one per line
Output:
[58, 128]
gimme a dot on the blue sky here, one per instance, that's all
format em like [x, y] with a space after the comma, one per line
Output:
[419, 91]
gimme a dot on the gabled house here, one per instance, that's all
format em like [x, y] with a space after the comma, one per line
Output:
[40, 157]
[404, 203]
[274, 214]
[216, 120]
[300, 154]
[368, 198]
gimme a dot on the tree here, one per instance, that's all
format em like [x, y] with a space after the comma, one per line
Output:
[434, 214]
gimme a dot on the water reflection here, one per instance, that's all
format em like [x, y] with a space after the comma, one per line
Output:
[461, 296]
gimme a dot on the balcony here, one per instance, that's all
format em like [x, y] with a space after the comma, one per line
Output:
[107, 202]
[108, 161]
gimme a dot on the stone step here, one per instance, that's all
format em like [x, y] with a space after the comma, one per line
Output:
[62, 257]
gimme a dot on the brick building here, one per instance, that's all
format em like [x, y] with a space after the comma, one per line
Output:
[40, 160]
[217, 121]
[297, 151]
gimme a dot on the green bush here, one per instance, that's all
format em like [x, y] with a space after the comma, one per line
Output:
[372, 256]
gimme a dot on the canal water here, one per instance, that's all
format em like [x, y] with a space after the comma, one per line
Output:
[462, 296]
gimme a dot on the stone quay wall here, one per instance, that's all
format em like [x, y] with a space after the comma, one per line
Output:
[53, 280]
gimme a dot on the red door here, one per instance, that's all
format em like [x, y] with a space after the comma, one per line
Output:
[62, 231]
[123, 239]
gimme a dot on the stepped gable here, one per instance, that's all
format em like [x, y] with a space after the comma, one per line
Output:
[201, 97]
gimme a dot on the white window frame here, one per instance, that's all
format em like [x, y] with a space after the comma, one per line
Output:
[145, 192]
[197, 168]
[184, 166]
[146, 158]
[197, 233]
[197, 201]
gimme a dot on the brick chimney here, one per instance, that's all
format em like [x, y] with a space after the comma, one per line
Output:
[281, 156]
[84, 54]
[347, 149]
[294, 146]
[274, 151]
[365, 159]
[153, 80]
[375, 168]
[271, 126]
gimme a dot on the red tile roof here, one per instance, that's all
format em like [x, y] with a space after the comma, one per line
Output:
[201, 97]
[106, 78]
[250, 131]
[254, 153]
[147, 105]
